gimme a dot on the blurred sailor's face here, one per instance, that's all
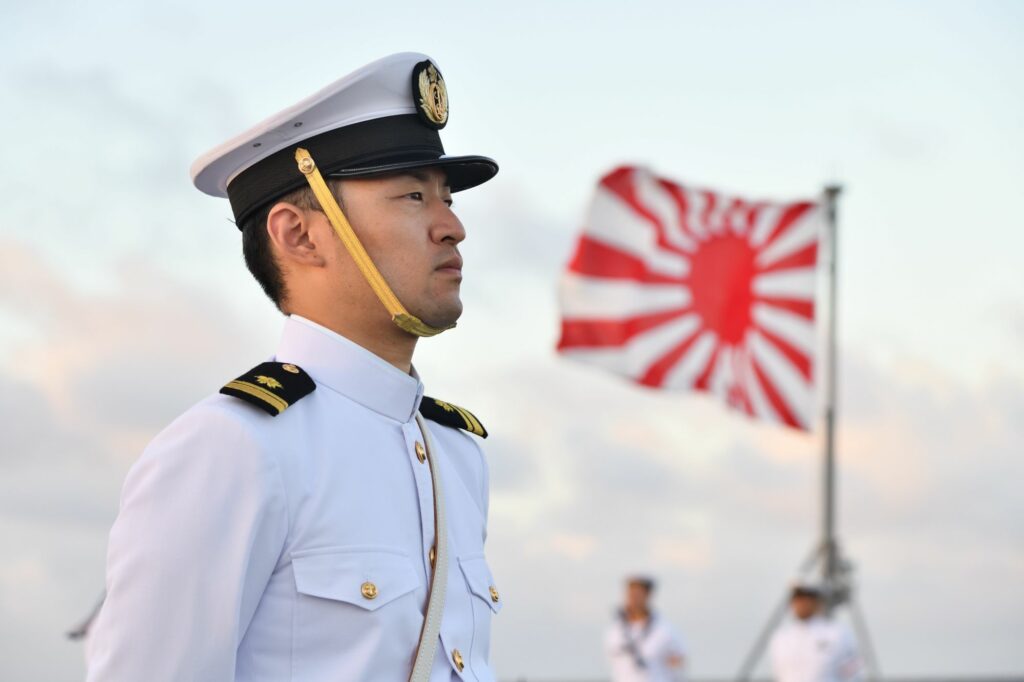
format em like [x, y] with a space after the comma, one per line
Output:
[805, 606]
[407, 225]
[637, 597]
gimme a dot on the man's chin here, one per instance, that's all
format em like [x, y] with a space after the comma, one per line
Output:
[442, 318]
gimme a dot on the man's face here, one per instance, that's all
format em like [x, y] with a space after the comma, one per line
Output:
[406, 223]
[805, 606]
[637, 596]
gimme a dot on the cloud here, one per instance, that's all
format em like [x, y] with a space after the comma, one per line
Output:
[92, 379]
[125, 361]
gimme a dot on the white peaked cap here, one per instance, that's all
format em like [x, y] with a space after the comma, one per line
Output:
[806, 585]
[381, 118]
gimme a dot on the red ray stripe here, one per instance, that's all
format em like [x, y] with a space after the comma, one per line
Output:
[799, 307]
[597, 259]
[806, 256]
[703, 381]
[611, 333]
[753, 211]
[679, 197]
[774, 397]
[734, 214]
[711, 201]
[799, 359]
[739, 399]
[790, 215]
[656, 372]
[738, 394]
[622, 183]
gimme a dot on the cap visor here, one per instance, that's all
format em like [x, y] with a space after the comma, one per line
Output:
[463, 172]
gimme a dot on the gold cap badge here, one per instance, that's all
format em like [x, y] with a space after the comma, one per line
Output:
[430, 94]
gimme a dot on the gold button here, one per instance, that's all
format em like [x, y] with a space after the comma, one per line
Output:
[421, 453]
[290, 368]
[432, 556]
[457, 658]
[369, 590]
[494, 594]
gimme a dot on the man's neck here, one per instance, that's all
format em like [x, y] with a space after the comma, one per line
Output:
[637, 615]
[386, 341]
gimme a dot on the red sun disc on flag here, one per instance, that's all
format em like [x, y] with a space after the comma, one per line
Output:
[680, 288]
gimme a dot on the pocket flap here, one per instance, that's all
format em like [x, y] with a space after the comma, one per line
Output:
[367, 577]
[480, 581]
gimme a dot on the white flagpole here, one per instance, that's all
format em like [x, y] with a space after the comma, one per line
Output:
[835, 570]
[831, 569]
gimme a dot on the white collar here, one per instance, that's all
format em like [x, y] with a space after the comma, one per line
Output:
[348, 368]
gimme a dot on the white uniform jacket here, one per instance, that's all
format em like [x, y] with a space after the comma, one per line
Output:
[655, 643]
[245, 544]
[816, 650]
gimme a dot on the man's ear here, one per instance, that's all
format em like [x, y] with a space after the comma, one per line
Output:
[289, 229]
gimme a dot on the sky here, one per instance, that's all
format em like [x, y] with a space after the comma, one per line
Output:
[123, 300]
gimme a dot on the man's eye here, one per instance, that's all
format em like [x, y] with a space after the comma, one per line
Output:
[449, 202]
[416, 196]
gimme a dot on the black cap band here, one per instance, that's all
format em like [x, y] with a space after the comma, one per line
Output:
[369, 148]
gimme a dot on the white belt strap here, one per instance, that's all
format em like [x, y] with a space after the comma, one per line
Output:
[427, 648]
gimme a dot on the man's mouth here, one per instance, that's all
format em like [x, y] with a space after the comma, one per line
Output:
[452, 265]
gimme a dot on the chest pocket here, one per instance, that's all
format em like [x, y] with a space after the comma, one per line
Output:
[480, 581]
[367, 577]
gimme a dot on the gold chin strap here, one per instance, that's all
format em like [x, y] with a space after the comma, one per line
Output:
[399, 315]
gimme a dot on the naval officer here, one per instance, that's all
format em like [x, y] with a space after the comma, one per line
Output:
[319, 518]
[811, 647]
[641, 645]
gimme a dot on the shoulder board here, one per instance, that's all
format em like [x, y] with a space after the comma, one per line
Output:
[272, 386]
[451, 415]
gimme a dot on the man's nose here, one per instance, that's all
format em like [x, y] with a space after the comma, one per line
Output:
[446, 226]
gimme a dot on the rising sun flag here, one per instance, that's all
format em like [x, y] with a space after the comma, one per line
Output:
[683, 288]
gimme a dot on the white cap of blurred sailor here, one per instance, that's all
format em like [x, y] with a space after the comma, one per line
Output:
[380, 119]
[804, 586]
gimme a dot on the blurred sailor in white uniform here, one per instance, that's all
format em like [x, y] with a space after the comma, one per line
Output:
[319, 518]
[641, 645]
[810, 647]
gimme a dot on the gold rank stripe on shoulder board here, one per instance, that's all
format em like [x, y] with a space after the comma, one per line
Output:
[451, 415]
[271, 386]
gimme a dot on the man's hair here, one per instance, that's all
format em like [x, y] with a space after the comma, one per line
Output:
[258, 249]
[642, 581]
